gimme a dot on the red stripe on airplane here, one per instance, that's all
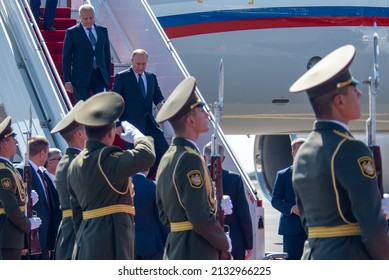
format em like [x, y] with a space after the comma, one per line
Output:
[293, 22]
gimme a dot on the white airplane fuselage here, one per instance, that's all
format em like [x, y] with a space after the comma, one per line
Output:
[266, 46]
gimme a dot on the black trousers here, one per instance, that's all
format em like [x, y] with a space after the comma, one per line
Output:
[97, 84]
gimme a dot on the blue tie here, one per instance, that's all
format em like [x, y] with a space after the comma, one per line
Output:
[92, 40]
[141, 85]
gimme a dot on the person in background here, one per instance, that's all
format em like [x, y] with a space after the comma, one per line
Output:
[239, 221]
[140, 90]
[14, 225]
[86, 57]
[150, 233]
[49, 170]
[75, 136]
[284, 200]
[48, 14]
[185, 196]
[39, 149]
[334, 175]
[100, 187]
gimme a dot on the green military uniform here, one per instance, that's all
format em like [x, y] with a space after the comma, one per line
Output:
[66, 236]
[13, 222]
[110, 236]
[101, 193]
[336, 187]
[334, 176]
[185, 197]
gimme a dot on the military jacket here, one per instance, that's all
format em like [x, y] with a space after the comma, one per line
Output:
[182, 196]
[100, 177]
[13, 222]
[66, 236]
[334, 179]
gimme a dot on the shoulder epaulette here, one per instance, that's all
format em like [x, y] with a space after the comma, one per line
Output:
[191, 150]
[116, 154]
[343, 135]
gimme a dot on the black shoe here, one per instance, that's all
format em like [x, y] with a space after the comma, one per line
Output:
[48, 27]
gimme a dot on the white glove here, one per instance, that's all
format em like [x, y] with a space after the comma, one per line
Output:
[385, 205]
[35, 222]
[229, 243]
[226, 205]
[34, 197]
[130, 132]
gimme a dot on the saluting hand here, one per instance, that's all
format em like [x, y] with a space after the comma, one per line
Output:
[130, 132]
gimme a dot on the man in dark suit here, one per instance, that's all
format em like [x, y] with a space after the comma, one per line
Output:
[140, 90]
[283, 199]
[54, 156]
[239, 221]
[39, 149]
[75, 136]
[86, 59]
[334, 175]
[14, 224]
[150, 233]
[48, 15]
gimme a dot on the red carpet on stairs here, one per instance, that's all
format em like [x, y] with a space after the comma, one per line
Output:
[54, 42]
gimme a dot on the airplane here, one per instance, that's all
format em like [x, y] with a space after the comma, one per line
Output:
[266, 46]
[260, 63]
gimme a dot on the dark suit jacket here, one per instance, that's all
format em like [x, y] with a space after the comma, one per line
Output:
[138, 109]
[241, 229]
[283, 199]
[56, 214]
[77, 59]
[150, 234]
[42, 207]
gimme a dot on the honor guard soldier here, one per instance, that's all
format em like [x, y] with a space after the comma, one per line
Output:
[13, 222]
[101, 191]
[334, 176]
[75, 136]
[185, 197]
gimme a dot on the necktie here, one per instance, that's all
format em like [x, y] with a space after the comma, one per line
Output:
[141, 85]
[92, 40]
[44, 184]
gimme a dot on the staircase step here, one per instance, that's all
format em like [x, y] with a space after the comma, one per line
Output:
[55, 47]
[56, 57]
[61, 12]
[50, 36]
[61, 23]
[58, 65]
